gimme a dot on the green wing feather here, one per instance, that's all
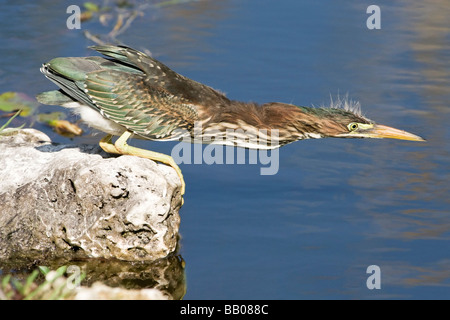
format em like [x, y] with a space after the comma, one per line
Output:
[159, 75]
[143, 109]
[131, 89]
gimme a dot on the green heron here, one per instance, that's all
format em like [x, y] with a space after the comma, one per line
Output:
[129, 93]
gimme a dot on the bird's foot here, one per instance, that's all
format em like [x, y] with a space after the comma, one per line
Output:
[121, 147]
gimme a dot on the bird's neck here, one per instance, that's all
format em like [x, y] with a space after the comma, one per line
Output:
[253, 126]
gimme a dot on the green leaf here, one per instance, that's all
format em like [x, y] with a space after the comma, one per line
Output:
[29, 281]
[60, 271]
[90, 6]
[5, 281]
[9, 121]
[49, 117]
[18, 285]
[44, 269]
[12, 101]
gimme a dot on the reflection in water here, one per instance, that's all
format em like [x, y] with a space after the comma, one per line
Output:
[398, 273]
[180, 41]
[429, 41]
[166, 275]
[406, 200]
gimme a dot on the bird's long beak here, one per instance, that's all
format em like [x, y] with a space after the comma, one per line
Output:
[380, 131]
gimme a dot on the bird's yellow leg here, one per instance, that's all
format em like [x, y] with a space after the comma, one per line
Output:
[121, 147]
[106, 144]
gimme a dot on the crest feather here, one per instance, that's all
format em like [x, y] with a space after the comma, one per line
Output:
[346, 104]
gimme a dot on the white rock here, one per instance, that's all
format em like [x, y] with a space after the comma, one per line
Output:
[77, 201]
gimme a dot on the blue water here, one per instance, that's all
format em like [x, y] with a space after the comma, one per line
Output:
[336, 206]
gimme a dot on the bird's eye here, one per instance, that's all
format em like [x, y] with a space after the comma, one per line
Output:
[352, 126]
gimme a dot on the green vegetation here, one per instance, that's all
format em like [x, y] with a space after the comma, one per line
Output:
[3, 127]
[54, 287]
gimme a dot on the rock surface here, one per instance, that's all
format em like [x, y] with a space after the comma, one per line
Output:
[99, 291]
[77, 201]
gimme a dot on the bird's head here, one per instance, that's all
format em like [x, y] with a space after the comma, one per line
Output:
[346, 121]
[373, 130]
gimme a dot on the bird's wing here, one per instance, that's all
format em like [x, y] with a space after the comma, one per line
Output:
[122, 93]
[131, 101]
[160, 76]
[134, 90]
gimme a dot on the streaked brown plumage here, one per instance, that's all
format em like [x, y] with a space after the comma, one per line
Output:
[130, 92]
